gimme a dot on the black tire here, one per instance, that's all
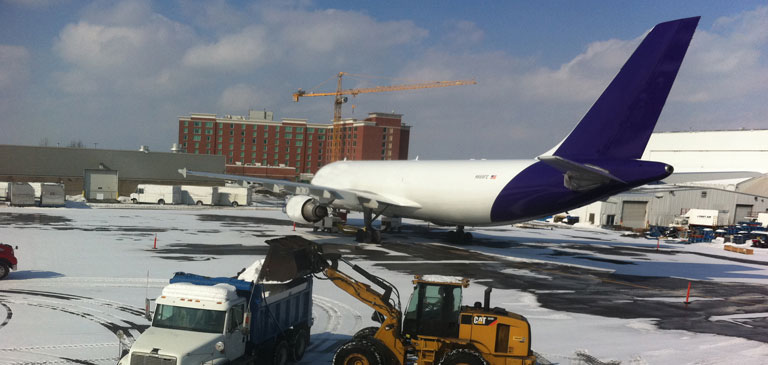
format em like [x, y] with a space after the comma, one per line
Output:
[280, 353]
[357, 352]
[360, 236]
[235, 204]
[299, 344]
[462, 357]
[376, 236]
[366, 333]
[314, 229]
[199, 203]
[4, 270]
[134, 201]
[161, 202]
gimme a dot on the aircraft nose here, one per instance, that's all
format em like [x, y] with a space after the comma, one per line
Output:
[669, 169]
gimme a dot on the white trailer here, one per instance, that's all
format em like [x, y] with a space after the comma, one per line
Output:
[762, 218]
[199, 195]
[160, 194]
[21, 194]
[702, 217]
[3, 191]
[235, 196]
[52, 195]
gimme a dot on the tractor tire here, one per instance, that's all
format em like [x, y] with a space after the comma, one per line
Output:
[299, 344]
[4, 270]
[357, 352]
[366, 333]
[462, 357]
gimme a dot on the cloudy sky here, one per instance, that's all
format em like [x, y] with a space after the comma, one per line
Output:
[118, 74]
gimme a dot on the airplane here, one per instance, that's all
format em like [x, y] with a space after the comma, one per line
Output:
[599, 158]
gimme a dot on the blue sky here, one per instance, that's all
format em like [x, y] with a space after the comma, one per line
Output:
[120, 73]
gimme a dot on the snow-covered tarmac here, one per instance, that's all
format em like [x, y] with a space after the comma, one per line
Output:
[84, 273]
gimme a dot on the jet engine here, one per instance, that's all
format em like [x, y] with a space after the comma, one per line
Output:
[305, 209]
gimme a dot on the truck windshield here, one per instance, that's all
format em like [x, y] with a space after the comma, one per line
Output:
[189, 319]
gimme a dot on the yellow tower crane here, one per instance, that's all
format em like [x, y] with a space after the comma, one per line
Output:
[340, 98]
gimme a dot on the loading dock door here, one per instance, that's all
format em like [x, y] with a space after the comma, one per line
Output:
[633, 214]
[742, 211]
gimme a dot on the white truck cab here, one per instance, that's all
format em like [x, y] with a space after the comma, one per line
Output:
[193, 324]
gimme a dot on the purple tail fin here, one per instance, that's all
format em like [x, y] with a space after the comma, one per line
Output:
[621, 121]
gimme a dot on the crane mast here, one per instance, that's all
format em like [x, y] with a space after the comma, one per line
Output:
[340, 98]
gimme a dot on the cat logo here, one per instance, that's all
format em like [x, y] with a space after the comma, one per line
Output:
[484, 320]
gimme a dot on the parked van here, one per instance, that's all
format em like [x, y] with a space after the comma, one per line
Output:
[160, 194]
[235, 196]
[199, 195]
[52, 195]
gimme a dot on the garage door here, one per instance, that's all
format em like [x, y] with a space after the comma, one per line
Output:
[742, 211]
[633, 214]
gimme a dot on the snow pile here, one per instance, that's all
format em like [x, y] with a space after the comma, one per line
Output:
[251, 273]
[443, 279]
[217, 293]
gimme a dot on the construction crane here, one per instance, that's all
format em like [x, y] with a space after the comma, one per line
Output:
[340, 98]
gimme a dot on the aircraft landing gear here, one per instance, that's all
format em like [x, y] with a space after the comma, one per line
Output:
[459, 236]
[369, 234]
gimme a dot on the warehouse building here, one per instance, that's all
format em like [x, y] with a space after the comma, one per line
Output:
[115, 172]
[248, 144]
[729, 172]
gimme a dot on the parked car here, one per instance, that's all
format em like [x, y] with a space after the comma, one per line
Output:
[8, 260]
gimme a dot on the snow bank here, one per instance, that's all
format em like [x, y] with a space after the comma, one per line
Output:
[251, 273]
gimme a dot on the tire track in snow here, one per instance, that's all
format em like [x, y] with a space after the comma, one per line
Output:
[8, 315]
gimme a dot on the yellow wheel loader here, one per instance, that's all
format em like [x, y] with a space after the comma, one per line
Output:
[436, 327]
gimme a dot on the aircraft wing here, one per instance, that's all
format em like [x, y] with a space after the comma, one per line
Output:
[322, 193]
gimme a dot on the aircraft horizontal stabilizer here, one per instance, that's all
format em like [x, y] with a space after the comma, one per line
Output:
[578, 176]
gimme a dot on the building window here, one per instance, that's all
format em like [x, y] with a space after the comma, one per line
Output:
[287, 157]
[253, 148]
[231, 125]
[186, 130]
[218, 146]
[703, 194]
[265, 148]
[264, 156]
[263, 162]
[219, 139]
[242, 154]
[231, 147]
[299, 129]
[186, 123]
[230, 154]
[288, 136]
[231, 133]
[255, 134]
[209, 131]
[197, 124]
[185, 137]
[242, 134]
[242, 147]
[196, 131]
[310, 130]
[196, 138]
[265, 141]
[321, 137]
[299, 143]
[277, 149]
[274, 157]
[208, 138]
[209, 124]
[218, 152]
[242, 140]
[299, 136]
[231, 140]
[287, 143]
[298, 150]
[288, 129]
[197, 145]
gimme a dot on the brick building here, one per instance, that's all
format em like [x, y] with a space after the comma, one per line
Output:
[291, 146]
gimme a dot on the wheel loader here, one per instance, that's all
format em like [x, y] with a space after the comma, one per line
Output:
[436, 327]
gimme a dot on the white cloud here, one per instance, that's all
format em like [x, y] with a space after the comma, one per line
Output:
[14, 68]
[244, 51]
[239, 98]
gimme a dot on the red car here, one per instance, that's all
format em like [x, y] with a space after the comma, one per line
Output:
[7, 260]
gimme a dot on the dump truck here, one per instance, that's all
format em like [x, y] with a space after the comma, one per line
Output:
[157, 194]
[435, 329]
[235, 196]
[199, 195]
[214, 320]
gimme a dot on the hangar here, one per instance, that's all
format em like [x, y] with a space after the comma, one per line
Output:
[71, 165]
[730, 172]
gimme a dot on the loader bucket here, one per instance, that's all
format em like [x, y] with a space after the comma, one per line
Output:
[288, 258]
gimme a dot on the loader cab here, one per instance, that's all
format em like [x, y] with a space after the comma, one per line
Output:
[434, 307]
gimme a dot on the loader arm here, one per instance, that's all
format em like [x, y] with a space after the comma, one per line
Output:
[389, 332]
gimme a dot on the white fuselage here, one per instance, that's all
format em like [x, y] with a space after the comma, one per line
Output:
[446, 192]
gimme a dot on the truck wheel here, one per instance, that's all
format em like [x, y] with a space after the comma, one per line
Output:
[366, 333]
[134, 201]
[299, 344]
[357, 352]
[280, 353]
[462, 357]
[234, 204]
[161, 202]
[4, 270]
[199, 202]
